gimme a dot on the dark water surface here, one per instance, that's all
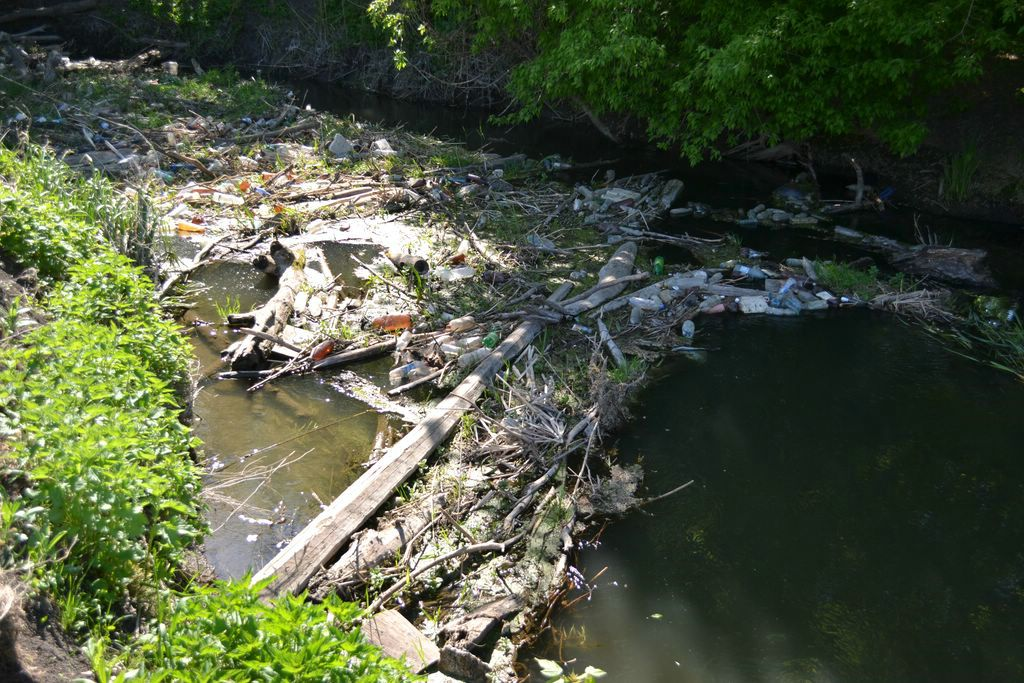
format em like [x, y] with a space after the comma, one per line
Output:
[858, 515]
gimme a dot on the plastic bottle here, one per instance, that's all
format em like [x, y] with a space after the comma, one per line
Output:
[466, 322]
[404, 372]
[322, 350]
[645, 304]
[659, 265]
[636, 315]
[403, 341]
[491, 340]
[392, 323]
[468, 360]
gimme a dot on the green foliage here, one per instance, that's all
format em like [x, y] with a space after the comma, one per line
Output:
[842, 279]
[108, 291]
[108, 466]
[41, 223]
[698, 72]
[959, 172]
[633, 370]
[52, 218]
[226, 633]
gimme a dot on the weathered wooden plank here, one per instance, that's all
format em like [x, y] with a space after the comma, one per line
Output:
[393, 634]
[291, 569]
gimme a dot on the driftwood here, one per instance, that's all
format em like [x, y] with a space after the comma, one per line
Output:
[321, 540]
[46, 12]
[373, 547]
[354, 355]
[964, 267]
[610, 276]
[250, 353]
[393, 633]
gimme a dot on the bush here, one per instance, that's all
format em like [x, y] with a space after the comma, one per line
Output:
[700, 72]
[41, 224]
[226, 633]
[108, 468]
[108, 290]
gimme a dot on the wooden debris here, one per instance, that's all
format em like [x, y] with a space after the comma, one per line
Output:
[319, 541]
[251, 352]
[393, 634]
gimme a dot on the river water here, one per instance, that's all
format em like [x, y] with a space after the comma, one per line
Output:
[857, 507]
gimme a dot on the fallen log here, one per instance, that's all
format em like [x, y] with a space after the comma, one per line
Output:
[318, 542]
[609, 280]
[45, 12]
[250, 353]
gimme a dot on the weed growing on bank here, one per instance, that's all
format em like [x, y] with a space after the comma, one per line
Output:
[99, 498]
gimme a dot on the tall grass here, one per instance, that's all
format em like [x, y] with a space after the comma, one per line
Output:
[959, 173]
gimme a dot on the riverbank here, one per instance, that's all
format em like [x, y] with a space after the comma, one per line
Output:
[101, 501]
[234, 168]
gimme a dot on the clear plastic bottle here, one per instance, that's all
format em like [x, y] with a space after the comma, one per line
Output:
[470, 359]
[405, 372]
[466, 322]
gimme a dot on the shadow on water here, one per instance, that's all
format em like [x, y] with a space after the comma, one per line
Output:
[858, 515]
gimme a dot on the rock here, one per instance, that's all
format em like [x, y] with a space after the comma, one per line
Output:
[499, 185]
[340, 147]
[542, 243]
[670, 193]
[463, 665]
[779, 216]
[681, 211]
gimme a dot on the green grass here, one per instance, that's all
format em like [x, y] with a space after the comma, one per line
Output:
[959, 173]
[842, 279]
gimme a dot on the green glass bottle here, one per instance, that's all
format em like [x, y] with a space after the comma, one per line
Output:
[659, 265]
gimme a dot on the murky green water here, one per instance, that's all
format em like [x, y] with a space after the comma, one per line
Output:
[858, 515]
[273, 457]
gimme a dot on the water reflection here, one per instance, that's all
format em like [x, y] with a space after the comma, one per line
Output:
[857, 515]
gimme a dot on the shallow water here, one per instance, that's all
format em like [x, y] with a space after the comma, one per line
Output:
[857, 514]
[306, 421]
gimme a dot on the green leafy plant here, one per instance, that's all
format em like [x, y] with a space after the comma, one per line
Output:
[108, 465]
[959, 173]
[842, 279]
[231, 306]
[702, 73]
[554, 673]
[227, 633]
[108, 290]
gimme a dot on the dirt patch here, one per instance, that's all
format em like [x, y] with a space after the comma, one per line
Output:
[32, 648]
